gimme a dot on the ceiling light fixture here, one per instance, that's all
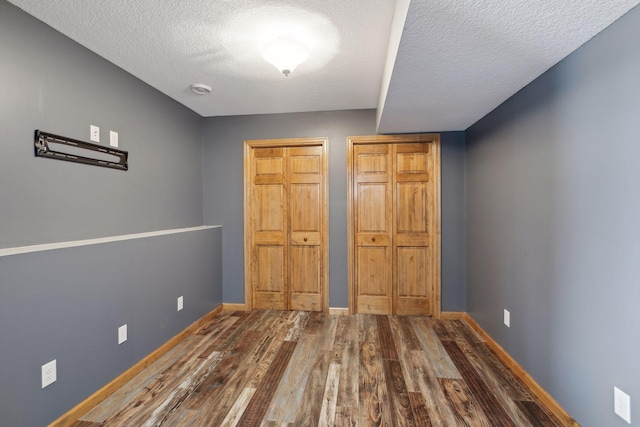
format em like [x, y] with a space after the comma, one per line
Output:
[201, 89]
[285, 53]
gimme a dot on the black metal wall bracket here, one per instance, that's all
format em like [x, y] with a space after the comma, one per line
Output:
[73, 150]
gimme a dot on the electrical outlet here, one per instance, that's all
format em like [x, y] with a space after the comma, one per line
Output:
[113, 139]
[180, 303]
[122, 334]
[622, 404]
[49, 374]
[95, 133]
[507, 318]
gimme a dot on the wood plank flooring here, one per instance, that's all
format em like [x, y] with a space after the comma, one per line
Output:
[271, 368]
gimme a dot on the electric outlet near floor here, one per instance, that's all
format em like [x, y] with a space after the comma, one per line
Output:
[507, 318]
[622, 404]
[122, 334]
[180, 303]
[49, 373]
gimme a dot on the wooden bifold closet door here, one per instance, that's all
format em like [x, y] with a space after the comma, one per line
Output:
[394, 223]
[286, 239]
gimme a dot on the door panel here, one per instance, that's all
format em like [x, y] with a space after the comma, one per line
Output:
[305, 269]
[412, 207]
[412, 295]
[305, 162]
[305, 207]
[269, 165]
[373, 270]
[412, 279]
[305, 191]
[270, 268]
[374, 275]
[374, 161]
[372, 207]
[269, 274]
[306, 278]
[268, 214]
[411, 161]
[373, 225]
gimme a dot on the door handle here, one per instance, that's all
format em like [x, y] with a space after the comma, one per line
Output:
[373, 239]
[305, 239]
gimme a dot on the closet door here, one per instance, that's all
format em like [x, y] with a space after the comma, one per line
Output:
[373, 228]
[305, 219]
[286, 232]
[394, 223]
[411, 219]
[269, 251]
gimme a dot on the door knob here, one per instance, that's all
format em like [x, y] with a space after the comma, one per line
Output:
[305, 239]
[373, 239]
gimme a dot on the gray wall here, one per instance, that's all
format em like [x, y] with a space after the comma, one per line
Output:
[454, 221]
[49, 82]
[67, 304]
[223, 139]
[553, 207]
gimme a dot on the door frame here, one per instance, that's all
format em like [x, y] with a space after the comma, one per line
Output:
[324, 235]
[435, 234]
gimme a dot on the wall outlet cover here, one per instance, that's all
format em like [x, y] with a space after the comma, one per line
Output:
[122, 334]
[49, 373]
[622, 404]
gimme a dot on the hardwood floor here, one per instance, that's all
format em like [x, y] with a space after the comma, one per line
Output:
[271, 368]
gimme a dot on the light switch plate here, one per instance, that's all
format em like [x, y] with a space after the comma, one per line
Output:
[507, 318]
[113, 139]
[180, 303]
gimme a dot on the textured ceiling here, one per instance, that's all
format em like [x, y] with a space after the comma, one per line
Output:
[171, 44]
[452, 61]
[459, 59]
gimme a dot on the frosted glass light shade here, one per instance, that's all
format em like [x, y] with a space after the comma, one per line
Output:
[285, 53]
